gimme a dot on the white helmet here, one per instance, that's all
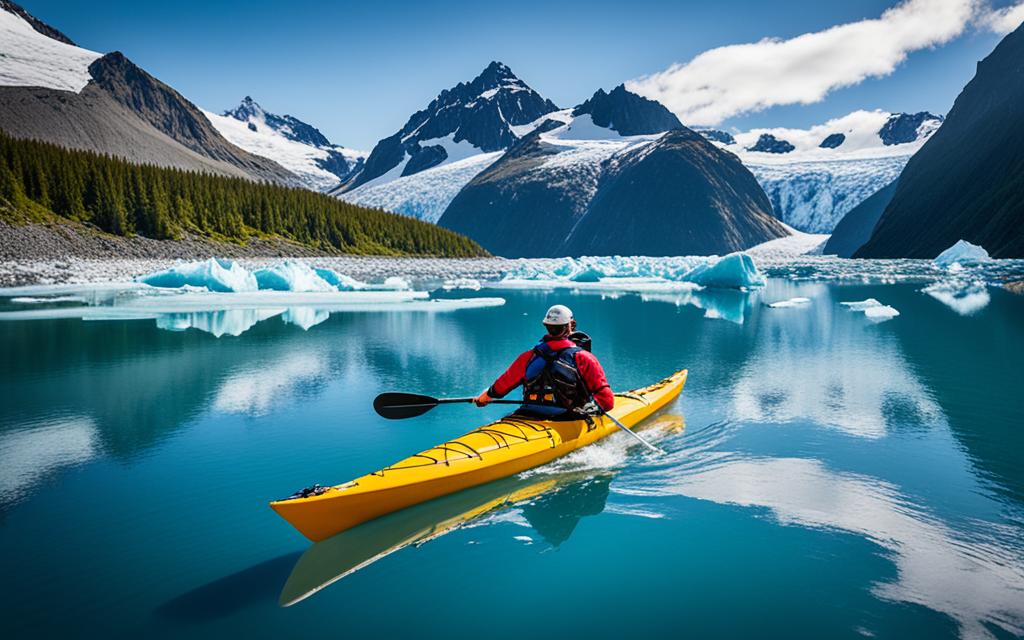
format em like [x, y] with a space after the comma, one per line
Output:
[558, 315]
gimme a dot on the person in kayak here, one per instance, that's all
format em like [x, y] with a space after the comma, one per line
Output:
[558, 375]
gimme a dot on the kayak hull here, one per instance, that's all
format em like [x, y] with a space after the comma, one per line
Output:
[497, 450]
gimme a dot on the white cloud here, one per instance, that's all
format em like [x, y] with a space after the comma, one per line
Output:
[741, 78]
[1005, 20]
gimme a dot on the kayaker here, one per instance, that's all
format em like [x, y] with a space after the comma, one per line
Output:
[558, 375]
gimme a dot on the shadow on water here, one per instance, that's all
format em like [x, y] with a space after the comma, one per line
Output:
[249, 587]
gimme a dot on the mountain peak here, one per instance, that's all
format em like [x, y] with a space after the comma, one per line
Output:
[246, 109]
[628, 113]
[481, 115]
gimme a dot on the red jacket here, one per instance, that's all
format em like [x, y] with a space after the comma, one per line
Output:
[586, 362]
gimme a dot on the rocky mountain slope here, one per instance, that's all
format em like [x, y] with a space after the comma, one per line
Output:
[573, 187]
[856, 226]
[52, 90]
[483, 115]
[967, 181]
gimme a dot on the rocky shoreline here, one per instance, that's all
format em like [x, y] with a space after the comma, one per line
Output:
[74, 253]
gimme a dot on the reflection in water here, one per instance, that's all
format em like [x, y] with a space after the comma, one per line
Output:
[724, 304]
[256, 389]
[975, 577]
[328, 561]
[231, 322]
[806, 364]
[29, 455]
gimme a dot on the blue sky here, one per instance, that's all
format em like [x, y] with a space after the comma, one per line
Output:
[358, 70]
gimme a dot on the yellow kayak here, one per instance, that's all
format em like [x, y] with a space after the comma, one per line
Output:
[490, 452]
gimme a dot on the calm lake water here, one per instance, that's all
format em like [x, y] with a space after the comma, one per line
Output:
[827, 476]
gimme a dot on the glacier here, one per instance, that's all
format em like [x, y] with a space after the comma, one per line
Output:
[814, 196]
[424, 195]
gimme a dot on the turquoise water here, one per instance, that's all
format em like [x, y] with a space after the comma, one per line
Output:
[826, 476]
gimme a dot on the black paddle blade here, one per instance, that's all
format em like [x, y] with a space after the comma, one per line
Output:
[395, 406]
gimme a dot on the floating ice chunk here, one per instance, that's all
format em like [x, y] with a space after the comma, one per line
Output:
[214, 274]
[340, 281]
[878, 314]
[962, 253]
[526, 539]
[733, 271]
[792, 302]
[461, 283]
[862, 304]
[872, 309]
[291, 275]
[966, 298]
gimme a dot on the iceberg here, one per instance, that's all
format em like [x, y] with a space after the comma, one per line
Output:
[734, 271]
[291, 275]
[962, 253]
[214, 274]
[339, 281]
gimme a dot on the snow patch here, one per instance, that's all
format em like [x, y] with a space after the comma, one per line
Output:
[30, 59]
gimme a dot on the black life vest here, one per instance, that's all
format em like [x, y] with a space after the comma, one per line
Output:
[553, 383]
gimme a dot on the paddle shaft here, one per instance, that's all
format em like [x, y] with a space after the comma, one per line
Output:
[634, 434]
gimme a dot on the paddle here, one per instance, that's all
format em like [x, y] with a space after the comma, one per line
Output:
[397, 406]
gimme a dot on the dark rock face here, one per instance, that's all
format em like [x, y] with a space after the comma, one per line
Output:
[854, 229]
[717, 135]
[681, 196]
[673, 196]
[481, 112]
[901, 128]
[37, 24]
[627, 113]
[832, 141]
[171, 114]
[768, 143]
[967, 181]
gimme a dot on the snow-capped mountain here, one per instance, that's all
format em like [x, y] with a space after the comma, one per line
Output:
[53, 90]
[574, 186]
[299, 147]
[484, 115]
[815, 176]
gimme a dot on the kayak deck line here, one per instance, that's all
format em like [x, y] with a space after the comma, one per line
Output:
[496, 450]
